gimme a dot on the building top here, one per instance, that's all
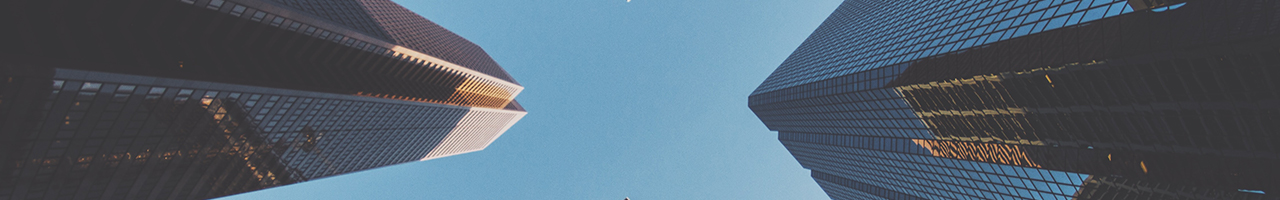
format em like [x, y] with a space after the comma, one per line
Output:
[392, 37]
[865, 35]
[388, 21]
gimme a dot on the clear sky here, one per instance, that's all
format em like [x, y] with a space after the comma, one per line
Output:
[646, 99]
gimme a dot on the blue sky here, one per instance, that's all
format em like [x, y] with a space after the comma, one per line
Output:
[645, 99]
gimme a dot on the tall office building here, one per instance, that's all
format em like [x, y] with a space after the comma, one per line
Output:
[1035, 99]
[196, 99]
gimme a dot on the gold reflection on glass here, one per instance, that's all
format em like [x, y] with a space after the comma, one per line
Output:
[470, 93]
[991, 139]
[984, 152]
[981, 79]
[219, 112]
[978, 109]
[312, 139]
[403, 98]
[997, 111]
[474, 91]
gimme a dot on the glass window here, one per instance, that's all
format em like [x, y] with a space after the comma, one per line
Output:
[215, 4]
[1096, 13]
[125, 89]
[1116, 8]
[277, 21]
[258, 16]
[156, 91]
[88, 86]
[238, 10]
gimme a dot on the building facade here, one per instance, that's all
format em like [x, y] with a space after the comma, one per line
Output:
[197, 99]
[1052, 99]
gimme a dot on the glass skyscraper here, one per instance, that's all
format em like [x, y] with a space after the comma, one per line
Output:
[196, 99]
[1049, 99]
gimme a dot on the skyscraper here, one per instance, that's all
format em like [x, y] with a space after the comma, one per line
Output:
[195, 99]
[1052, 99]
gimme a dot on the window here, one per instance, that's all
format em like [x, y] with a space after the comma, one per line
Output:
[1167, 8]
[88, 86]
[294, 26]
[126, 89]
[238, 10]
[215, 4]
[258, 16]
[277, 21]
[156, 91]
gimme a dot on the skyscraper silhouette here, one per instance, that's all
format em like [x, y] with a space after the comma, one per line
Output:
[1034, 100]
[195, 99]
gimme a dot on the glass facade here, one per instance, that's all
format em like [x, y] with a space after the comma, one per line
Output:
[389, 21]
[1044, 99]
[196, 99]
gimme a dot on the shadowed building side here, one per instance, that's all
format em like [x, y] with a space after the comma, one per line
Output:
[196, 99]
[390, 21]
[253, 48]
[1034, 99]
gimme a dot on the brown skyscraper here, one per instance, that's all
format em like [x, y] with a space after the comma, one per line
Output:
[195, 99]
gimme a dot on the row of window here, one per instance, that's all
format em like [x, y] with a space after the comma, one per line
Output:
[937, 178]
[865, 80]
[900, 32]
[1105, 187]
[841, 188]
[263, 139]
[494, 89]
